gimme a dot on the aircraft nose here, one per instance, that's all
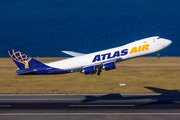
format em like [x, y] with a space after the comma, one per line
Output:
[166, 42]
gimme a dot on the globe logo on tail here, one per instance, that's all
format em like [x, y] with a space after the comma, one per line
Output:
[21, 58]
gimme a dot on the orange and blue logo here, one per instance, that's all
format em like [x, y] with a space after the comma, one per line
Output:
[123, 52]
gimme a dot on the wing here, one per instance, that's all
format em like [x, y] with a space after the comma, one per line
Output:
[75, 54]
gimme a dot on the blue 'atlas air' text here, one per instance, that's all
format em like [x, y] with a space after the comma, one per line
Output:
[109, 55]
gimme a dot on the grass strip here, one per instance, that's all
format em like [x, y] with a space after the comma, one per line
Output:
[139, 74]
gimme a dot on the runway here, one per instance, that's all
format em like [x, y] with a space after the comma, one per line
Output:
[90, 106]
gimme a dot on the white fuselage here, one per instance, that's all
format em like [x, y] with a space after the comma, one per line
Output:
[135, 49]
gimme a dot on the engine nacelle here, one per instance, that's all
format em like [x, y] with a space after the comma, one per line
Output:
[89, 70]
[109, 66]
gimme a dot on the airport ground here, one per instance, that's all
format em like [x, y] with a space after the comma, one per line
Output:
[151, 92]
[138, 74]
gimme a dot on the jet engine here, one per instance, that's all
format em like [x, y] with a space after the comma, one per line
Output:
[109, 66]
[89, 70]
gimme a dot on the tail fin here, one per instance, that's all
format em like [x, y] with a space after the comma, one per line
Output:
[23, 61]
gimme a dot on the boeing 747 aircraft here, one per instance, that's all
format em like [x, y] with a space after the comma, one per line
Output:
[89, 63]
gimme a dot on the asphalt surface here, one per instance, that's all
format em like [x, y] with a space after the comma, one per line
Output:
[107, 106]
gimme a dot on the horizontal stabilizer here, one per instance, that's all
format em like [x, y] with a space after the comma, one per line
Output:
[75, 54]
[26, 72]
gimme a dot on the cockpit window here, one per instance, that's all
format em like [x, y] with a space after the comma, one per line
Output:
[158, 37]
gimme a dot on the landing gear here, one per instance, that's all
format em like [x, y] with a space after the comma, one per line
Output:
[99, 71]
[158, 55]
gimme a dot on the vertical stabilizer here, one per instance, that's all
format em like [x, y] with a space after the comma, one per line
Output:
[23, 61]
